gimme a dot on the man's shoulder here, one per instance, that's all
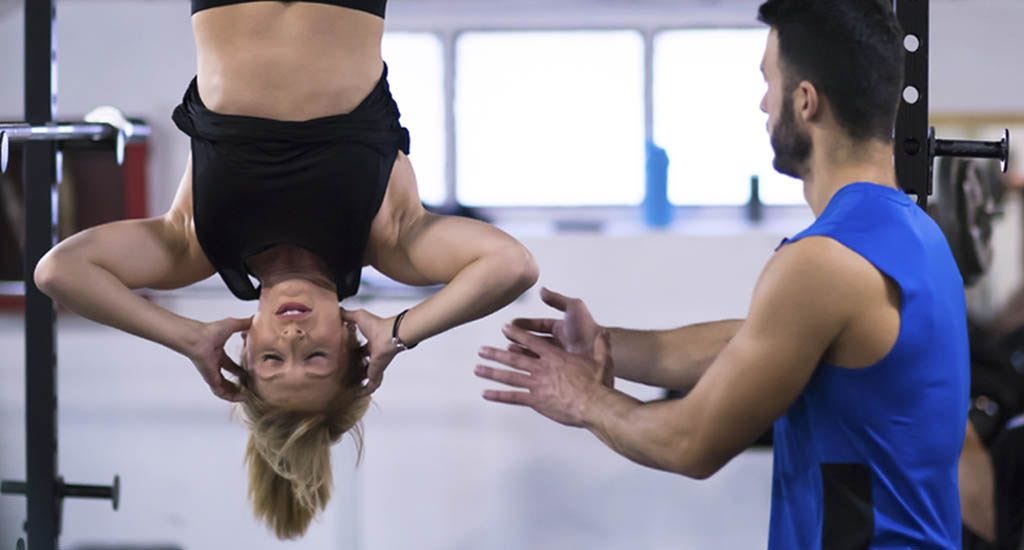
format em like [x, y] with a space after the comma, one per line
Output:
[819, 256]
[821, 270]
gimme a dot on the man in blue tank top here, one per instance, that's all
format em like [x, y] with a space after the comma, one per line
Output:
[855, 345]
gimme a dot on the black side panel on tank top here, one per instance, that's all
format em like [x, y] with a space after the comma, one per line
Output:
[848, 521]
[317, 184]
[375, 7]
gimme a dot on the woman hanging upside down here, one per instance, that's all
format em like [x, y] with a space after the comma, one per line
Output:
[298, 178]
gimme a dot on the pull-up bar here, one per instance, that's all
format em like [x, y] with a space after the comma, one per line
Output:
[120, 135]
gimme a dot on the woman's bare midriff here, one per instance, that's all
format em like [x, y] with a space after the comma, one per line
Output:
[286, 61]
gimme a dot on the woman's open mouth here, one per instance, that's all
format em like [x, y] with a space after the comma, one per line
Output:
[293, 311]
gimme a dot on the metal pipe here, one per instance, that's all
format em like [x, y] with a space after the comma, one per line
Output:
[110, 492]
[40, 316]
[971, 149]
[104, 492]
[68, 131]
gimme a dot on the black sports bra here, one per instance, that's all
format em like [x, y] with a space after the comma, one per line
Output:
[375, 7]
[316, 184]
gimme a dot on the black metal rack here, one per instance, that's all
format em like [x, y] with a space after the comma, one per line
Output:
[41, 139]
[915, 144]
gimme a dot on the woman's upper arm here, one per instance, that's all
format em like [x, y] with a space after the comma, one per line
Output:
[416, 247]
[160, 252]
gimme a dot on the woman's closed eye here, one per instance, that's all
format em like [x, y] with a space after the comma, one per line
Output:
[278, 358]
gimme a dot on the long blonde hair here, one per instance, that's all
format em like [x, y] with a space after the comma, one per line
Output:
[289, 452]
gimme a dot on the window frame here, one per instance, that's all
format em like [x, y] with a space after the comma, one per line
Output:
[714, 218]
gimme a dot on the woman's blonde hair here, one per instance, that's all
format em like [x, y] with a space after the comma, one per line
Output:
[289, 452]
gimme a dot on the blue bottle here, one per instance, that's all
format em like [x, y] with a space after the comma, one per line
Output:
[656, 207]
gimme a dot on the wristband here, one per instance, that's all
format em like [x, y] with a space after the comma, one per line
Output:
[398, 343]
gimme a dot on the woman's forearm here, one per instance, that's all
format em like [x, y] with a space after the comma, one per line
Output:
[675, 358]
[478, 289]
[93, 292]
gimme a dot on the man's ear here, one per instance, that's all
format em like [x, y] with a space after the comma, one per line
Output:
[808, 102]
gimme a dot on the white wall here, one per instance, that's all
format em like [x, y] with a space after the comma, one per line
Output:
[442, 469]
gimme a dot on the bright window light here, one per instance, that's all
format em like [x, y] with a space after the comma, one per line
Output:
[707, 96]
[416, 75]
[549, 118]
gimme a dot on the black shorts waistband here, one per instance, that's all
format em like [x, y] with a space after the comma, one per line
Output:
[374, 122]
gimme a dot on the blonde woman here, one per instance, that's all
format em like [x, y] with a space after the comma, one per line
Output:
[298, 178]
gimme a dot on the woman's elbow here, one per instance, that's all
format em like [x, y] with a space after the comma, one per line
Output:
[50, 273]
[519, 268]
[529, 272]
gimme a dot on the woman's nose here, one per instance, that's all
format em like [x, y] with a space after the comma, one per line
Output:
[293, 331]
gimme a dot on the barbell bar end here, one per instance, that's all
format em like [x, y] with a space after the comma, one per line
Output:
[1004, 161]
[13, 487]
[5, 145]
[122, 138]
[115, 494]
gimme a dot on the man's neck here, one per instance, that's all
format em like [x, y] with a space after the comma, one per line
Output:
[832, 168]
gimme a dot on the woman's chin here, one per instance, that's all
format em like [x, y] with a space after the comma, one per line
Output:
[295, 285]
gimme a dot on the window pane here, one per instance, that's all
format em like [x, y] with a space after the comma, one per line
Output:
[416, 74]
[549, 118]
[707, 96]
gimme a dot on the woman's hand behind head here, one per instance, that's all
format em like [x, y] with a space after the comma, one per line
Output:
[379, 349]
[207, 354]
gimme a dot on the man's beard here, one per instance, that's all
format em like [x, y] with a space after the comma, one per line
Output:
[792, 147]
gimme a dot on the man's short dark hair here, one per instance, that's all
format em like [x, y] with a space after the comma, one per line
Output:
[850, 50]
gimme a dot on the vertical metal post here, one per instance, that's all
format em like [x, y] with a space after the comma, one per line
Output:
[648, 37]
[448, 44]
[40, 318]
[913, 158]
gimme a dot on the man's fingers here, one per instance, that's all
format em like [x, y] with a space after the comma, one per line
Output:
[508, 397]
[554, 299]
[534, 343]
[602, 346]
[509, 359]
[507, 377]
[516, 348]
[542, 326]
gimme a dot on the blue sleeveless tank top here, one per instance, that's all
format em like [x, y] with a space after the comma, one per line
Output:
[867, 458]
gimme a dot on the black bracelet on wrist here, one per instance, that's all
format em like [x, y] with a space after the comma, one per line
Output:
[402, 346]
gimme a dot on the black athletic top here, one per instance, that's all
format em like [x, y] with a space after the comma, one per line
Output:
[316, 184]
[375, 7]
